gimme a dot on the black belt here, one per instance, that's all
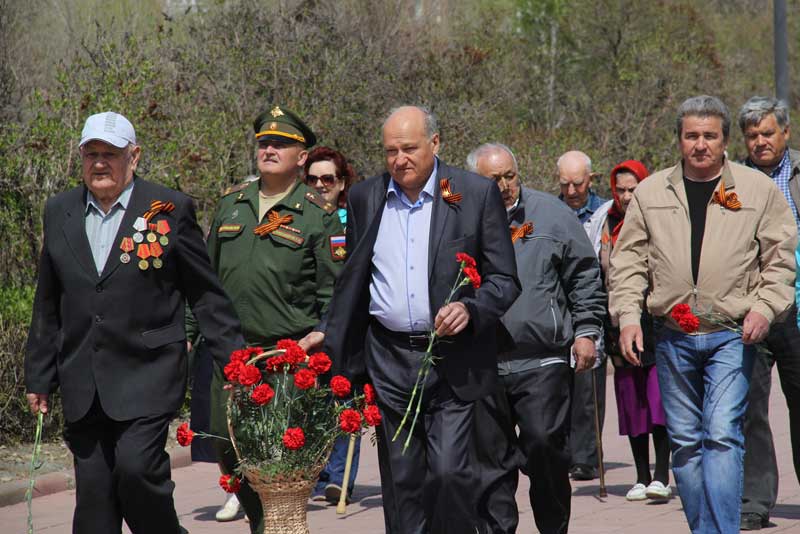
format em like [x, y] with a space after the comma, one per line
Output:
[413, 340]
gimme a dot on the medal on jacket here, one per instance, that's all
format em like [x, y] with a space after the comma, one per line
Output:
[140, 225]
[151, 235]
[162, 227]
[143, 251]
[126, 246]
[156, 251]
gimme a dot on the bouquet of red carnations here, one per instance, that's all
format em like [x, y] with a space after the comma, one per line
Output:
[284, 416]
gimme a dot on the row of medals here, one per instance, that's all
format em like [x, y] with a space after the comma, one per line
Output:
[141, 224]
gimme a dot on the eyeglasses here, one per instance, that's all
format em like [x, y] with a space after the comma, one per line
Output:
[327, 179]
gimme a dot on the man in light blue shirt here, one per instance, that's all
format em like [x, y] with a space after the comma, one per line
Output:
[102, 226]
[401, 256]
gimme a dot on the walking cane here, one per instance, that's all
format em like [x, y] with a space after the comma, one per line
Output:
[598, 438]
[351, 448]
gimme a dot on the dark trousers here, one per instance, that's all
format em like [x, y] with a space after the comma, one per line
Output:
[538, 402]
[582, 442]
[760, 465]
[226, 456]
[431, 488]
[121, 472]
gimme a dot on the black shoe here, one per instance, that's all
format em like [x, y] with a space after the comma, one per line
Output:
[753, 521]
[333, 493]
[583, 472]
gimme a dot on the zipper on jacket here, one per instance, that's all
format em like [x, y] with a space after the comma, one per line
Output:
[555, 321]
[694, 296]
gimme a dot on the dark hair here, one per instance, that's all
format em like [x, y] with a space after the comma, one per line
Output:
[344, 171]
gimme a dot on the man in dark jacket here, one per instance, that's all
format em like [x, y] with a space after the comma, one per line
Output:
[765, 127]
[558, 314]
[404, 229]
[121, 257]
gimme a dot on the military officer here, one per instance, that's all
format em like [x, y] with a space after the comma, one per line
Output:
[277, 246]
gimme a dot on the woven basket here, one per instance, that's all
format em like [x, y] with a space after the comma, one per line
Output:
[284, 503]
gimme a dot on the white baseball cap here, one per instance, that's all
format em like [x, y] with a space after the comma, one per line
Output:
[109, 127]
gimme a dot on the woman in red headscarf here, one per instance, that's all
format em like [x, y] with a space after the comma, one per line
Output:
[638, 396]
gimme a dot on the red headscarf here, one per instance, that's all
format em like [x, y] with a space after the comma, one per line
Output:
[638, 169]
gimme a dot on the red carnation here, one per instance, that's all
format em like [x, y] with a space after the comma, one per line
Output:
[680, 310]
[350, 421]
[240, 355]
[689, 323]
[466, 259]
[185, 435]
[369, 394]
[474, 277]
[305, 379]
[372, 415]
[340, 386]
[232, 370]
[275, 364]
[294, 353]
[249, 375]
[262, 394]
[320, 363]
[294, 438]
[229, 483]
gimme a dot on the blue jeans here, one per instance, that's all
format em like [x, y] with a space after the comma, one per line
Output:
[704, 381]
[334, 470]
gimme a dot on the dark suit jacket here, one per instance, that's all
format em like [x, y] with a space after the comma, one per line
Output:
[121, 334]
[476, 225]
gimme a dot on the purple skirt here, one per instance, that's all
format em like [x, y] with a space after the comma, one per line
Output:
[638, 400]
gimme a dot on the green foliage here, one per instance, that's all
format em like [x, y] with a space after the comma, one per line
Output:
[542, 76]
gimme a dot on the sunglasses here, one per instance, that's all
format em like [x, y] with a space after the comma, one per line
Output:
[327, 179]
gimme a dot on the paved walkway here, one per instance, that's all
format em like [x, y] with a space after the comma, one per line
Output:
[197, 496]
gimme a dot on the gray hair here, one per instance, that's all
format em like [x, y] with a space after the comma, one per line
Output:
[757, 108]
[704, 106]
[431, 124]
[561, 158]
[484, 149]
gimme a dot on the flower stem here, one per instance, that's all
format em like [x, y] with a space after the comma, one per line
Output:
[37, 449]
[416, 412]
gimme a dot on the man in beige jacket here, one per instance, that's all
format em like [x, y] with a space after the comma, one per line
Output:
[720, 237]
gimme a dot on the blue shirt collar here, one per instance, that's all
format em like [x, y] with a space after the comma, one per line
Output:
[122, 201]
[429, 189]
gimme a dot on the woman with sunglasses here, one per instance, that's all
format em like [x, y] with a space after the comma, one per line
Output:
[330, 174]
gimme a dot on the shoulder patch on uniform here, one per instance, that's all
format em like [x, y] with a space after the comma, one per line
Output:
[316, 199]
[235, 188]
[338, 247]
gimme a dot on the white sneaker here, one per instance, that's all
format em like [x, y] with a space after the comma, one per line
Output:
[637, 492]
[229, 510]
[658, 491]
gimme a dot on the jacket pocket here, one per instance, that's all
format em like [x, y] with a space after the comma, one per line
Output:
[159, 337]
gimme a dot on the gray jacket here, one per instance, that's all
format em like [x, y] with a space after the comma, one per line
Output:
[562, 292]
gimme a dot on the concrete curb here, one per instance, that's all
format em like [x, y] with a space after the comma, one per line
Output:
[14, 492]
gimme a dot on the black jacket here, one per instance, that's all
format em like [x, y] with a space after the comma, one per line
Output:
[121, 334]
[562, 292]
[475, 225]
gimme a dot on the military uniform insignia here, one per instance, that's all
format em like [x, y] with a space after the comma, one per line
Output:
[288, 236]
[317, 200]
[156, 237]
[127, 247]
[275, 221]
[229, 228]
[338, 247]
[236, 189]
[273, 126]
[276, 112]
[235, 214]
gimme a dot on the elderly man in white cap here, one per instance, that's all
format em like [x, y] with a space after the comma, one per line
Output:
[120, 258]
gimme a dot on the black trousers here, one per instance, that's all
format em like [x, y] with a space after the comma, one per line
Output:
[760, 465]
[582, 442]
[431, 488]
[121, 472]
[538, 402]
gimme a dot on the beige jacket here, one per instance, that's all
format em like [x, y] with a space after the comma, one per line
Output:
[747, 261]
